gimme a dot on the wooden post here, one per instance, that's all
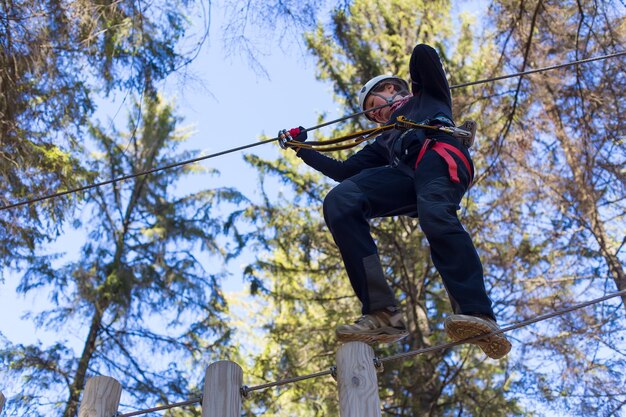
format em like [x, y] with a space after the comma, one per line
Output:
[222, 390]
[101, 397]
[356, 378]
[2, 401]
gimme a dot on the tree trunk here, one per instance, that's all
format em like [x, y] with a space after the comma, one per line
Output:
[79, 380]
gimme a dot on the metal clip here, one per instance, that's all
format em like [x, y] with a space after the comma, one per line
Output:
[466, 132]
[378, 364]
[283, 138]
[245, 391]
[333, 372]
[403, 123]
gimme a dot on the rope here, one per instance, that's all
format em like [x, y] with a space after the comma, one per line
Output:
[363, 135]
[202, 158]
[322, 145]
[245, 390]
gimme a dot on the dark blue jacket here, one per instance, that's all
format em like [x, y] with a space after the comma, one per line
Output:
[431, 99]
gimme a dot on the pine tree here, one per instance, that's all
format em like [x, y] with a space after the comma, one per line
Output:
[141, 292]
[566, 151]
[56, 58]
[546, 212]
[303, 276]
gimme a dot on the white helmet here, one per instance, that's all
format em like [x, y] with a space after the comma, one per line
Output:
[371, 84]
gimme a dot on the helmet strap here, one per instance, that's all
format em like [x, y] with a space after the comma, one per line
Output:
[389, 100]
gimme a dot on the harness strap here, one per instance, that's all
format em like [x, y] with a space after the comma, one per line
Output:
[443, 150]
[425, 146]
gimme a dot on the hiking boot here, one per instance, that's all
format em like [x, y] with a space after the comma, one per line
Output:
[462, 326]
[383, 326]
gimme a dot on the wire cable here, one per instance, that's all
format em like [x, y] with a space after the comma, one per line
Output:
[202, 158]
[160, 408]
[288, 381]
[507, 328]
[174, 165]
[246, 390]
[129, 176]
[532, 71]
[452, 344]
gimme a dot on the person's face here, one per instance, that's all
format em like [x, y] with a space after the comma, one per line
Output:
[378, 98]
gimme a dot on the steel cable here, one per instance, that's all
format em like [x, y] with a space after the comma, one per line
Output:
[160, 408]
[338, 120]
[246, 390]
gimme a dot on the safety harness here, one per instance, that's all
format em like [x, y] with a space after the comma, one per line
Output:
[444, 150]
[465, 133]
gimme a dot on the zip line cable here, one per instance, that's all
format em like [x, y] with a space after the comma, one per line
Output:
[214, 155]
[532, 71]
[245, 390]
[170, 166]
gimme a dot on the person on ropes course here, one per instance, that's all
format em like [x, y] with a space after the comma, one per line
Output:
[415, 172]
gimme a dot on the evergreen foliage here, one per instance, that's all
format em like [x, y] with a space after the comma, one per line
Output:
[547, 210]
[545, 213]
[142, 262]
[56, 58]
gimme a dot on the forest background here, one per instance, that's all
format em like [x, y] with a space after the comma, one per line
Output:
[152, 278]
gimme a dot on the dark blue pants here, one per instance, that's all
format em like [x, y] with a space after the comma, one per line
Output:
[388, 191]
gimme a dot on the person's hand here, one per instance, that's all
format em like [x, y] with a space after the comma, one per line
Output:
[297, 134]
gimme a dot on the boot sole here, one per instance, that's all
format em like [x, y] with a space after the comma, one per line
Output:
[461, 327]
[373, 338]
